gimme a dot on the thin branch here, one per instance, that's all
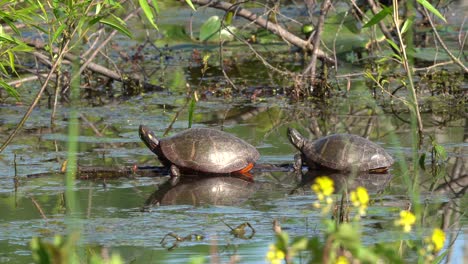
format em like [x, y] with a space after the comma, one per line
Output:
[317, 37]
[442, 43]
[36, 99]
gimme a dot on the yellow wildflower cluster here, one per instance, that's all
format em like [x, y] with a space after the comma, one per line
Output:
[275, 255]
[342, 260]
[434, 244]
[407, 219]
[323, 188]
[360, 199]
[437, 239]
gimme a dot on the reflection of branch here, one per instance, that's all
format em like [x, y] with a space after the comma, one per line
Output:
[272, 27]
[442, 43]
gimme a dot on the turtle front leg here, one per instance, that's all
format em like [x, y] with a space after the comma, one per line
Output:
[175, 175]
[298, 166]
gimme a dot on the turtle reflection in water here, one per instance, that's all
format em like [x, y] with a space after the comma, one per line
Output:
[374, 183]
[201, 150]
[222, 190]
[341, 152]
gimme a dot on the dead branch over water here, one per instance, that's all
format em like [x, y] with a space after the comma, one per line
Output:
[272, 27]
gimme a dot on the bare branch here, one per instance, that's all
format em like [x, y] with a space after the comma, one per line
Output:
[442, 43]
[272, 27]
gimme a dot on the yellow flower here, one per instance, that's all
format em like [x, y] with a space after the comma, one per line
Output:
[323, 187]
[360, 198]
[342, 260]
[438, 239]
[275, 255]
[407, 219]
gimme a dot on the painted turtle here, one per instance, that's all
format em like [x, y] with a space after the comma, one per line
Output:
[342, 152]
[202, 150]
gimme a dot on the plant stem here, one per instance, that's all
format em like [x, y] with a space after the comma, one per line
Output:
[414, 106]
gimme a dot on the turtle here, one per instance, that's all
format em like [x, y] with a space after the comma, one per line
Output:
[341, 152]
[201, 150]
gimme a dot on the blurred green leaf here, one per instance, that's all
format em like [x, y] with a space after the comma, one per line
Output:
[10, 90]
[394, 45]
[11, 58]
[211, 30]
[58, 32]
[282, 241]
[379, 16]
[155, 5]
[440, 151]
[117, 25]
[189, 2]
[299, 244]
[148, 12]
[406, 25]
[432, 9]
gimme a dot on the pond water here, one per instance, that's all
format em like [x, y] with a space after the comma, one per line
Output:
[112, 212]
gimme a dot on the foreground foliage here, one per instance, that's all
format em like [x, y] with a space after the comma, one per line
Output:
[342, 241]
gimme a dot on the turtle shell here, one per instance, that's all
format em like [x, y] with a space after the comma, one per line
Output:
[208, 150]
[346, 152]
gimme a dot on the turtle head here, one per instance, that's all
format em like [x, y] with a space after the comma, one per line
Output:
[149, 138]
[296, 138]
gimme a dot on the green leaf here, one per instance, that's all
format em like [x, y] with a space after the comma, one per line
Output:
[406, 25]
[189, 2]
[94, 20]
[432, 9]
[10, 90]
[299, 244]
[440, 151]
[148, 12]
[211, 30]
[393, 44]
[98, 8]
[7, 38]
[378, 17]
[58, 32]
[155, 5]
[115, 24]
[9, 22]
[11, 57]
[282, 241]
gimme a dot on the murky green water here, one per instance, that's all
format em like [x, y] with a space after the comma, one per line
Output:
[111, 211]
